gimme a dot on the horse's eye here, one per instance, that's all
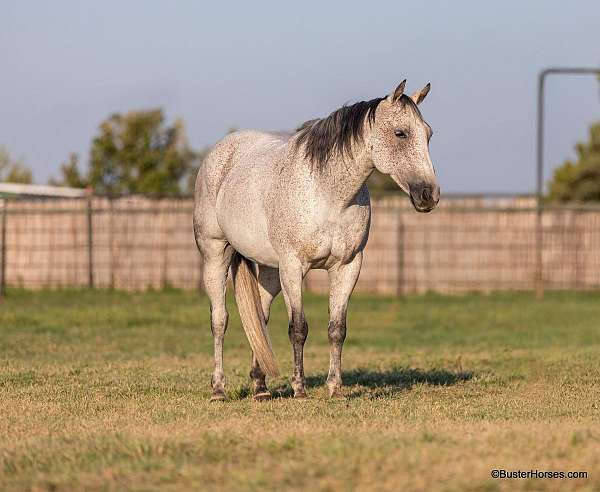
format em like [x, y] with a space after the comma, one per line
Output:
[400, 134]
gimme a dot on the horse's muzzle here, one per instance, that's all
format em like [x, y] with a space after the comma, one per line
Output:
[424, 196]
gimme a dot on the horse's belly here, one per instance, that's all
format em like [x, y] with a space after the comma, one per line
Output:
[253, 246]
[241, 217]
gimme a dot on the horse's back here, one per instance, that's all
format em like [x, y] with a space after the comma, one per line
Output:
[238, 149]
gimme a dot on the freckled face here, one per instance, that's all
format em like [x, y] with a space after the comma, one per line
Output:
[400, 148]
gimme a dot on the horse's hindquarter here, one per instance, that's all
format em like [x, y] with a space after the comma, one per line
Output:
[240, 206]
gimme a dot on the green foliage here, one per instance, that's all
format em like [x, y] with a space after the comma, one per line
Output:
[134, 153]
[13, 171]
[71, 175]
[381, 184]
[579, 181]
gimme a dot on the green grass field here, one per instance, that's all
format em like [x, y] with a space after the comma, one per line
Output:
[109, 391]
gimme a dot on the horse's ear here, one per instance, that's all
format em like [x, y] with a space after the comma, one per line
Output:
[397, 93]
[418, 96]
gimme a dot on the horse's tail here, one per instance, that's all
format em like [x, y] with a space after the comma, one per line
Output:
[247, 298]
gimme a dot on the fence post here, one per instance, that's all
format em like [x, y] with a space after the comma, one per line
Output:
[165, 250]
[3, 251]
[579, 269]
[400, 290]
[111, 242]
[539, 250]
[90, 243]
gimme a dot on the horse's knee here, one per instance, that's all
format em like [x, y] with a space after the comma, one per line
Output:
[337, 332]
[298, 329]
[298, 334]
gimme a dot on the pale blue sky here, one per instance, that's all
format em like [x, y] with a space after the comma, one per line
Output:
[66, 65]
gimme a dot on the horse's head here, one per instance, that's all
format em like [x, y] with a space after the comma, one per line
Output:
[400, 147]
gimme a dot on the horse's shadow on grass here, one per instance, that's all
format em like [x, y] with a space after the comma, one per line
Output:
[363, 382]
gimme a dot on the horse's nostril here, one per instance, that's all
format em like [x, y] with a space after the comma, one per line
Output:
[426, 194]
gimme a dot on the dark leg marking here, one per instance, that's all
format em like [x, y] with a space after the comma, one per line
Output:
[337, 335]
[298, 332]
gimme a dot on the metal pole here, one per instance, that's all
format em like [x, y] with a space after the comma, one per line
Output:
[539, 266]
[539, 231]
[3, 251]
[90, 243]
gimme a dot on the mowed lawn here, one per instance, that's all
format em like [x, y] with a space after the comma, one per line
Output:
[110, 391]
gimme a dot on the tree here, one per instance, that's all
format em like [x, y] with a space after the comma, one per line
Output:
[579, 181]
[71, 175]
[13, 171]
[134, 153]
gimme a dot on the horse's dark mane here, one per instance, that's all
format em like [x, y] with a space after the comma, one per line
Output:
[335, 133]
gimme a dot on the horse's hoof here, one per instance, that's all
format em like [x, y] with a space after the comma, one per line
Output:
[262, 396]
[217, 396]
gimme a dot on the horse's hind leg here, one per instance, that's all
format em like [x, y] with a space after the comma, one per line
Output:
[342, 280]
[268, 287]
[217, 258]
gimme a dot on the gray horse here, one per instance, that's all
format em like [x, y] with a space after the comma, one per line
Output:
[274, 205]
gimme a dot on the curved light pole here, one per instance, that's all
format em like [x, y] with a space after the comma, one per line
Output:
[539, 273]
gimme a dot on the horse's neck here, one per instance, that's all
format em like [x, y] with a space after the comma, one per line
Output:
[344, 176]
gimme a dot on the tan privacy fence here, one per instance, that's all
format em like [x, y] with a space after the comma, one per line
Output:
[472, 244]
[126, 243]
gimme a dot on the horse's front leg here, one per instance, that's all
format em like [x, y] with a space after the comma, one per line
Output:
[342, 280]
[291, 273]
